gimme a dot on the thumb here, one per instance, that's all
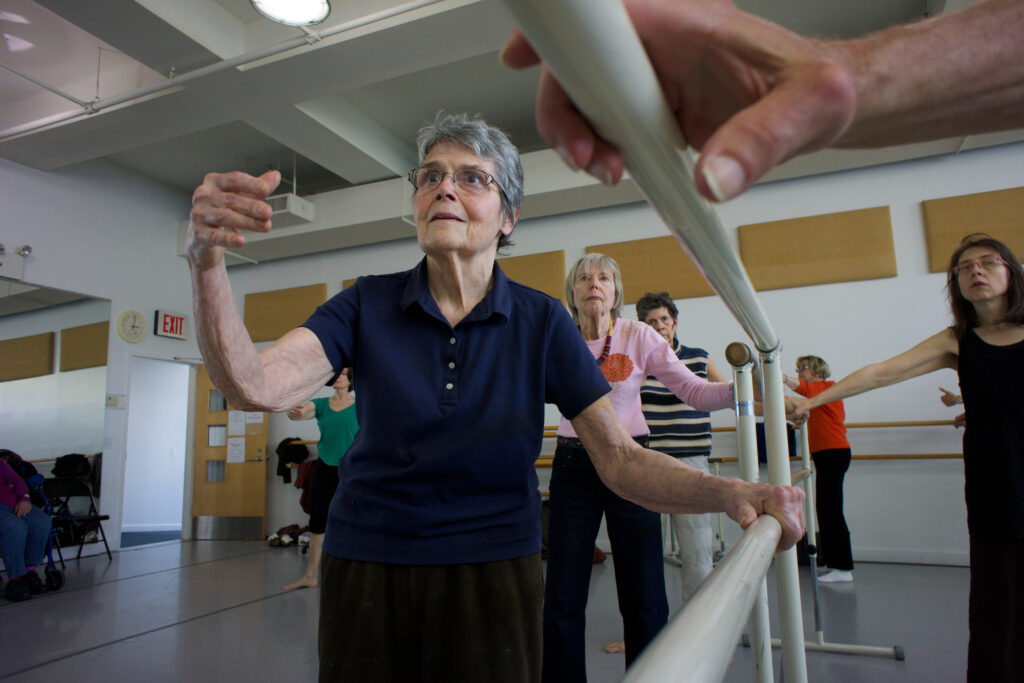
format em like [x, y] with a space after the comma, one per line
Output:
[747, 515]
[805, 113]
[271, 180]
[517, 53]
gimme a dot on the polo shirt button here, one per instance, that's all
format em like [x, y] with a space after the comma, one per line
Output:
[451, 365]
[449, 385]
[452, 340]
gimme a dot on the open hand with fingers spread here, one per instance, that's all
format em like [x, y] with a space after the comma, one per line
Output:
[746, 92]
[223, 208]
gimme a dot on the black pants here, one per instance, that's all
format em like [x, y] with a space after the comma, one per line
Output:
[830, 469]
[996, 612]
[459, 623]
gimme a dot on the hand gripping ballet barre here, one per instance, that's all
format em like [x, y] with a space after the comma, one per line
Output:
[592, 49]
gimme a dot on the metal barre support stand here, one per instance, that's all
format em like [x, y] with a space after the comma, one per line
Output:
[818, 644]
[742, 364]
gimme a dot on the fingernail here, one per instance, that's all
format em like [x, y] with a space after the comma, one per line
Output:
[601, 173]
[566, 157]
[724, 176]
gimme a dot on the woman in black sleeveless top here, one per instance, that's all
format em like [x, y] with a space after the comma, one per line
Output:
[986, 347]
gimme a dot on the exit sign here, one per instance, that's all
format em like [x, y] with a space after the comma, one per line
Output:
[170, 324]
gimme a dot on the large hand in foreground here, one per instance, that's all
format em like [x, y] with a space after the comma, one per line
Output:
[784, 503]
[223, 206]
[746, 92]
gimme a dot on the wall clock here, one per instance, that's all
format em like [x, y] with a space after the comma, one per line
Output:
[131, 325]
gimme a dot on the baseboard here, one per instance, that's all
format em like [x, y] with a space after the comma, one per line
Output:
[950, 559]
[129, 528]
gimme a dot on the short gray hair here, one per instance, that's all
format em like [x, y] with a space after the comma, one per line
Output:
[487, 142]
[586, 264]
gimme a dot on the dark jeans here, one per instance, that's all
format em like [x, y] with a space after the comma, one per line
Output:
[830, 469]
[22, 539]
[578, 499]
[996, 612]
[457, 623]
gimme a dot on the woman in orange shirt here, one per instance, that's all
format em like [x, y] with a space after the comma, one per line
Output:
[830, 451]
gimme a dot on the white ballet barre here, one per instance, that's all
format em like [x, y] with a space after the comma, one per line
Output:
[593, 50]
[687, 649]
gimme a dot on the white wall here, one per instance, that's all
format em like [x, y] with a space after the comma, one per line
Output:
[102, 231]
[154, 478]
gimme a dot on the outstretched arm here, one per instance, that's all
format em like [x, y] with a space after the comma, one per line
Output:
[306, 411]
[661, 483]
[750, 94]
[936, 352]
[293, 367]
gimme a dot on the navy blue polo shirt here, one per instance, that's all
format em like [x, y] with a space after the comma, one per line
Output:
[451, 420]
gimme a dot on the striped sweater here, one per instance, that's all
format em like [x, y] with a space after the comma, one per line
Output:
[676, 428]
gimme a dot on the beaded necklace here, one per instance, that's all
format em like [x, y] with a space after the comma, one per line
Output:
[607, 344]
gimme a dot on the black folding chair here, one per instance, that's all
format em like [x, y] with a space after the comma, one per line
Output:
[66, 516]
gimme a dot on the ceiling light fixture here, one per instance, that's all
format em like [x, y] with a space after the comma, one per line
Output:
[293, 12]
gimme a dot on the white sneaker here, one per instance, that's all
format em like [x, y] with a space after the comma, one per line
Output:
[836, 576]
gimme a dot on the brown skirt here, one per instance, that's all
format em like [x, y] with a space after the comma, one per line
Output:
[407, 623]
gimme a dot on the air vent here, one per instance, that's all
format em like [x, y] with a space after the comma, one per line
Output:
[291, 209]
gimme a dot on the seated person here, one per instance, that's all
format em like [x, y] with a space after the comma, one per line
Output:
[24, 530]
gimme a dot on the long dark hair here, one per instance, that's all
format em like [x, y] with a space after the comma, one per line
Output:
[965, 318]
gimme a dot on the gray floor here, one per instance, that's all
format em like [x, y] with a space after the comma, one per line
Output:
[214, 611]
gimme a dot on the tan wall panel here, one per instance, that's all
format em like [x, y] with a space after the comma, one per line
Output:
[345, 284]
[545, 271]
[25, 357]
[657, 264]
[948, 220]
[84, 346]
[814, 250]
[269, 315]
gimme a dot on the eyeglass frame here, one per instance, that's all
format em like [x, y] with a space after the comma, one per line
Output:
[490, 178]
[968, 266]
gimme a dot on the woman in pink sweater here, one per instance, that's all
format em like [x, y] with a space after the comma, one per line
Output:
[627, 351]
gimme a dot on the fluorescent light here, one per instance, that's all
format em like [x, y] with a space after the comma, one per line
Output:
[293, 12]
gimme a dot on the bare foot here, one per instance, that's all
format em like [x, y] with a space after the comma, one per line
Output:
[617, 646]
[304, 582]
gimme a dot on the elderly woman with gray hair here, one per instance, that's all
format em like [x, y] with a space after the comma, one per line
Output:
[431, 566]
[627, 352]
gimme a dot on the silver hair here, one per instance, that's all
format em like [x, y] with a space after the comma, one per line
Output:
[487, 142]
[586, 264]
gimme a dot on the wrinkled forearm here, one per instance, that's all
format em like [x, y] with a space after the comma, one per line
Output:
[662, 483]
[274, 380]
[956, 74]
[230, 356]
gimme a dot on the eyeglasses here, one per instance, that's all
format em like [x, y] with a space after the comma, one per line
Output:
[469, 180]
[800, 368]
[988, 263]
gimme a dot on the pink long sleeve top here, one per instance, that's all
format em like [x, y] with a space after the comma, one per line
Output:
[12, 487]
[636, 352]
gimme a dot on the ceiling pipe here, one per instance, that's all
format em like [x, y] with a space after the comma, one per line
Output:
[55, 91]
[132, 96]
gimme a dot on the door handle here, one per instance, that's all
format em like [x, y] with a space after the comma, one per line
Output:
[259, 459]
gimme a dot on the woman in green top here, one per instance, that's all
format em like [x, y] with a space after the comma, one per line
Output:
[336, 418]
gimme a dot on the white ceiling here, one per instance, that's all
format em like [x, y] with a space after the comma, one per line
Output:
[344, 110]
